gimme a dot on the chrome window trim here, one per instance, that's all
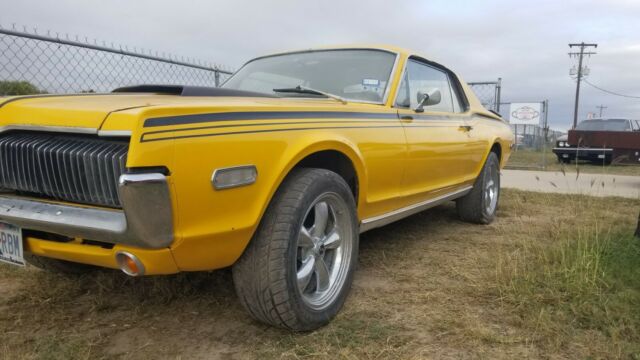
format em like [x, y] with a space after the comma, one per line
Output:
[386, 93]
[141, 194]
[395, 99]
[395, 215]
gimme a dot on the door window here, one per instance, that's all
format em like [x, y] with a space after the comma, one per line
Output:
[419, 77]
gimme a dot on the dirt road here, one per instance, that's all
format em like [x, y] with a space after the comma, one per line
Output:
[572, 183]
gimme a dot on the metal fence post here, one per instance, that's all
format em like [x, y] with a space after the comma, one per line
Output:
[545, 130]
[217, 77]
[498, 93]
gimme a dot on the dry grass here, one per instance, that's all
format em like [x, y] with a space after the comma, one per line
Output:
[553, 277]
[532, 159]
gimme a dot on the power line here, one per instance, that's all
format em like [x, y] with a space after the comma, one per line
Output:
[612, 92]
[580, 55]
[601, 107]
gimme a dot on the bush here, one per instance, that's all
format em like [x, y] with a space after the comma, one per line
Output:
[17, 88]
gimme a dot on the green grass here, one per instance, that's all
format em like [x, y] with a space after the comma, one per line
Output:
[580, 284]
[555, 277]
[533, 159]
[50, 347]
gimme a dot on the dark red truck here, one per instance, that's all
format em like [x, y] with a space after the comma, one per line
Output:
[601, 141]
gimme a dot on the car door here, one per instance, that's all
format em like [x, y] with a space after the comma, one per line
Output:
[438, 139]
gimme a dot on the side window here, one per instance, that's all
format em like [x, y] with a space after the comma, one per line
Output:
[422, 78]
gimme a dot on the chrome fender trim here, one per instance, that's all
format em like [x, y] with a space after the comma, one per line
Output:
[388, 218]
[146, 220]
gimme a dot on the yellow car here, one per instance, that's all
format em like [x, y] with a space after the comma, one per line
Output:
[276, 173]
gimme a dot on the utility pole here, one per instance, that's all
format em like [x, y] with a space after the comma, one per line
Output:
[601, 108]
[580, 55]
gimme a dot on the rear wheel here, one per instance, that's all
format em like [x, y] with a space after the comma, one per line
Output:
[297, 271]
[480, 204]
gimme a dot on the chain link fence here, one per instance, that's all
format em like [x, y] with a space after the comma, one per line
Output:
[533, 143]
[30, 62]
[488, 92]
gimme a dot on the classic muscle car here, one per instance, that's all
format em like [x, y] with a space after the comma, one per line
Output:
[601, 141]
[276, 173]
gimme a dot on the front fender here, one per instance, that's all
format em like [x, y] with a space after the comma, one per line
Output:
[215, 226]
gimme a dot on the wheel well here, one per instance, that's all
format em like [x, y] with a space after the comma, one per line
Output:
[496, 148]
[334, 161]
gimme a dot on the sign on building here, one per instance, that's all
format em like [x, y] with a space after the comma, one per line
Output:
[525, 113]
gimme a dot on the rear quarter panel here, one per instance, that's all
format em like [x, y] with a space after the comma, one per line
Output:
[488, 131]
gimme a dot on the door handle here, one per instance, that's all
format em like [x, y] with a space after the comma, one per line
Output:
[466, 128]
[406, 118]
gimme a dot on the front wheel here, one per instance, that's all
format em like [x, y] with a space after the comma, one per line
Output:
[480, 204]
[297, 271]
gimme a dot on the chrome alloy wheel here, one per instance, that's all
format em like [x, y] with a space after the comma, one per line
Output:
[491, 189]
[324, 250]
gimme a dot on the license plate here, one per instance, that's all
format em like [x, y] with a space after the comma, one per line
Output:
[600, 156]
[565, 155]
[11, 250]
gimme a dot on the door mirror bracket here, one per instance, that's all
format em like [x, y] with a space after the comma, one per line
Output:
[428, 97]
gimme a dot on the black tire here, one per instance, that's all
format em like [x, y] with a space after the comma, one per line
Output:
[478, 206]
[605, 161]
[58, 266]
[564, 160]
[267, 276]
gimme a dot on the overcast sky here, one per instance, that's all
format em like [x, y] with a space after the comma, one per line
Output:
[523, 42]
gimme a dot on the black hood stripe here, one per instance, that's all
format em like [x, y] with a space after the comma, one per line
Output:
[263, 115]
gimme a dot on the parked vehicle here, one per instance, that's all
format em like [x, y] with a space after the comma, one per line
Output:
[601, 141]
[276, 173]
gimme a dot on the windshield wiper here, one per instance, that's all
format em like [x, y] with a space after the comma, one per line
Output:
[305, 90]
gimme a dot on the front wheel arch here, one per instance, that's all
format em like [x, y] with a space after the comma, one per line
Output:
[341, 148]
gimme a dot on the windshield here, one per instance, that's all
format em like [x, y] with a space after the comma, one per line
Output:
[359, 75]
[604, 125]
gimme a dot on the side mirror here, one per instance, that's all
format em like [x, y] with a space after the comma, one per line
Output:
[427, 98]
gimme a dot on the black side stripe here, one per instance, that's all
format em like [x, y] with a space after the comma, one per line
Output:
[263, 115]
[142, 139]
[282, 115]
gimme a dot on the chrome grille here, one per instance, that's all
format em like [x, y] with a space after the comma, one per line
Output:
[63, 167]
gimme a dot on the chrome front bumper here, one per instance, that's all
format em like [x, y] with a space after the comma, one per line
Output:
[146, 218]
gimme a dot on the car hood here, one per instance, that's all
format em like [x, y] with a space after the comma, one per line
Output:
[89, 113]
[77, 113]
